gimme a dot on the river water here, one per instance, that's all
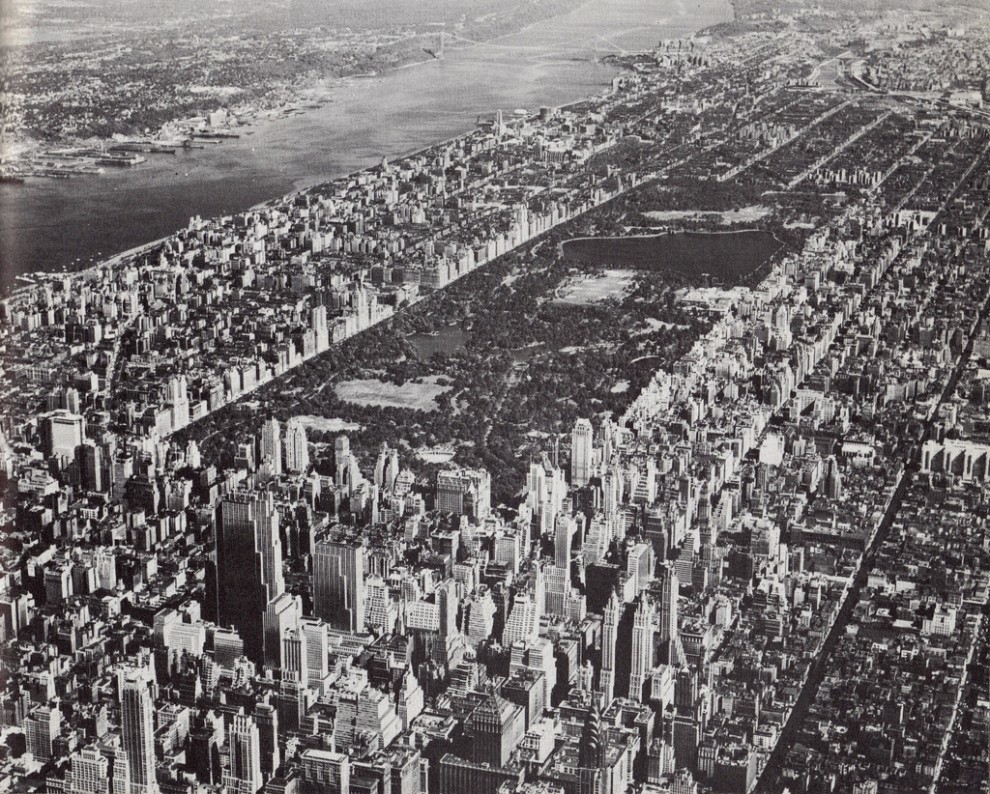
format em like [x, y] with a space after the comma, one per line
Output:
[68, 224]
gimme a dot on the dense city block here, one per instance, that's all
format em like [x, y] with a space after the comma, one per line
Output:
[641, 444]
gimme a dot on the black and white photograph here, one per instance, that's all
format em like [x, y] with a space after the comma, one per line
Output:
[494, 397]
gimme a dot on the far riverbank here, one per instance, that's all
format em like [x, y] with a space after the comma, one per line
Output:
[68, 225]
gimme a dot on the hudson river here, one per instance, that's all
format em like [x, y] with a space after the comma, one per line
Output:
[70, 223]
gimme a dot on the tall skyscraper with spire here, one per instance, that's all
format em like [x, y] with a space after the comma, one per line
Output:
[644, 628]
[137, 730]
[669, 647]
[610, 636]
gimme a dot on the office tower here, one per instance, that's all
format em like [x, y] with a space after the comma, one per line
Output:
[610, 636]
[524, 620]
[566, 526]
[271, 445]
[266, 718]
[592, 748]
[582, 444]
[495, 727]
[338, 583]
[527, 689]
[547, 490]
[361, 710]
[640, 564]
[833, 480]
[465, 492]
[447, 604]
[89, 773]
[536, 485]
[670, 650]
[244, 751]
[245, 457]
[40, 730]
[61, 432]
[281, 615]
[669, 588]
[249, 566]
[317, 652]
[392, 470]
[382, 610]
[291, 703]
[611, 492]
[228, 647]
[536, 656]
[342, 459]
[295, 657]
[380, 466]
[296, 447]
[90, 459]
[686, 737]
[71, 400]
[557, 591]
[137, 732]
[318, 320]
[480, 620]
[642, 648]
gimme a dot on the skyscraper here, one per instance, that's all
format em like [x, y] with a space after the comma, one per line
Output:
[465, 492]
[670, 650]
[282, 614]
[582, 441]
[338, 583]
[833, 480]
[610, 635]
[295, 655]
[271, 444]
[244, 749]
[496, 727]
[89, 773]
[40, 729]
[266, 718]
[642, 648]
[137, 731]
[249, 565]
[296, 447]
[90, 458]
[317, 651]
[61, 432]
[566, 525]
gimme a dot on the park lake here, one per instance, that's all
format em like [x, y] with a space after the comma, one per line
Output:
[725, 256]
[452, 338]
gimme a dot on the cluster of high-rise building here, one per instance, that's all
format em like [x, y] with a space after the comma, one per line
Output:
[655, 614]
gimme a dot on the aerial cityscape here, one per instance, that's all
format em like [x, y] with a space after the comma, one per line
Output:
[360, 435]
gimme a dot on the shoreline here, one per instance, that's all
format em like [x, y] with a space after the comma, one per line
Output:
[40, 276]
[119, 258]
